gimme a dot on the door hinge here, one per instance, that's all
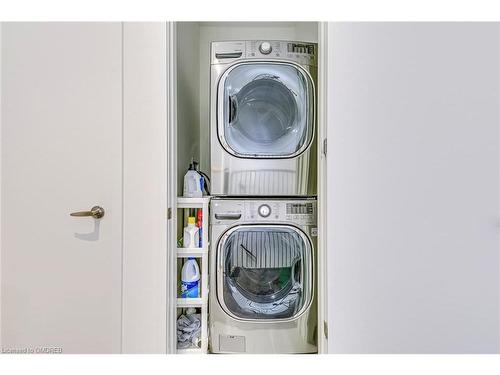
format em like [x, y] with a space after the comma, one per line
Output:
[325, 146]
[169, 213]
[325, 329]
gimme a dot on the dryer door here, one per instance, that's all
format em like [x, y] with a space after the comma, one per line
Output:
[264, 272]
[265, 110]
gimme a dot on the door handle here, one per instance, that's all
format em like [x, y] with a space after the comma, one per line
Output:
[96, 212]
[228, 216]
[228, 55]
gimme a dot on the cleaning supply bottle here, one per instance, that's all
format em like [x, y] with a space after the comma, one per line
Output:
[204, 181]
[202, 177]
[192, 183]
[199, 223]
[190, 279]
[191, 236]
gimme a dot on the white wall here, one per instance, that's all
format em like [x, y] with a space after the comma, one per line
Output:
[145, 177]
[413, 188]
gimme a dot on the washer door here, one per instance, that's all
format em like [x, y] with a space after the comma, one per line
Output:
[266, 110]
[264, 272]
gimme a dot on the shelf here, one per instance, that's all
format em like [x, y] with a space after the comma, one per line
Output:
[190, 302]
[193, 350]
[195, 252]
[183, 202]
[201, 304]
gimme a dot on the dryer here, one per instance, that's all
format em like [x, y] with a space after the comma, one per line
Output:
[263, 118]
[262, 276]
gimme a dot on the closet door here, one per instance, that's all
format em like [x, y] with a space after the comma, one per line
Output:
[413, 188]
[61, 141]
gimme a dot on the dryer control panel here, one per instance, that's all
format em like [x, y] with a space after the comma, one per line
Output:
[296, 211]
[304, 53]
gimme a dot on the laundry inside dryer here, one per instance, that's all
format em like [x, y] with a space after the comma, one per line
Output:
[263, 273]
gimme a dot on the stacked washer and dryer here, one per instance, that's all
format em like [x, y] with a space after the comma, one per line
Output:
[263, 207]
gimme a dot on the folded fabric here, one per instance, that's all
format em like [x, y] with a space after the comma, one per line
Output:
[188, 330]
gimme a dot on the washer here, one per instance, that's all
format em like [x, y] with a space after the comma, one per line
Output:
[262, 118]
[262, 276]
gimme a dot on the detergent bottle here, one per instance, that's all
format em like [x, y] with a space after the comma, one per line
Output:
[193, 183]
[191, 237]
[190, 279]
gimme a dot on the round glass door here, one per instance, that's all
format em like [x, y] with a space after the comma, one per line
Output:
[265, 272]
[266, 110]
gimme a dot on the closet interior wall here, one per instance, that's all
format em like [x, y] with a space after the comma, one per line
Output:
[188, 98]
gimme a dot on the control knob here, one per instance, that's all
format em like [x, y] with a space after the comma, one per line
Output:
[264, 210]
[265, 48]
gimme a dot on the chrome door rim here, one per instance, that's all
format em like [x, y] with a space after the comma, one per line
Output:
[220, 111]
[308, 266]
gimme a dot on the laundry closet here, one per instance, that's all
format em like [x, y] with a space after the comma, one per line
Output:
[247, 113]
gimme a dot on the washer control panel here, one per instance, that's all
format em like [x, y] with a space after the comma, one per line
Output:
[301, 212]
[297, 211]
[301, 52]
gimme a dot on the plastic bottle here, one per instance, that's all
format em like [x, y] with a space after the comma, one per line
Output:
[202, 177]
[190, 279]
[199, 223]
[191, 236]
[192, 183]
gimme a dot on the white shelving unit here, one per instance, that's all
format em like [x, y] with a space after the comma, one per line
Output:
[202, 254]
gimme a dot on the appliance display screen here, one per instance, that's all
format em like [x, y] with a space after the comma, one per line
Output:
[301, 48]
[299, 208]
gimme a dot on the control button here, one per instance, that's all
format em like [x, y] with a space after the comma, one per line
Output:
[265, 48]
[264, 210]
